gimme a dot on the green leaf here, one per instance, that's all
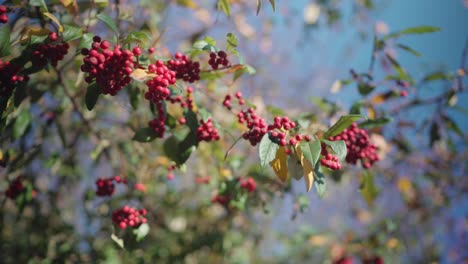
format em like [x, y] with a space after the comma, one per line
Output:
[86, 41]
[371, 123]
[311, 151]
[319, 181]
[410, 50]
[39, 3]
[342, 123]
[141, 232]
[21, 124]
[437, 76]
[356, 108]
[223, 5]
[117, 240]
[109, 21]
[259, 6]
[145, 134]
[339, 147]
[365, 88]
[4, 41]
[368, 189]
[267, 150]
[92, 95]
[451, 125]
[204, 114]
[231, 41]
[71, 33]
[273, 5]
[137, 36]
[400, 71]
[412, 31]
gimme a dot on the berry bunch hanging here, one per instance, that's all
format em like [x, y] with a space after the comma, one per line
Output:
[10, 76]
[109, 68]
[206, 131]
[186, 69]
[359, 146]
[129, 217]
[52, 52]
[106, 186]
[218, 59]
[158, 86]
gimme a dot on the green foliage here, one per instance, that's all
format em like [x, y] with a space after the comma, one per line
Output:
[267, 150]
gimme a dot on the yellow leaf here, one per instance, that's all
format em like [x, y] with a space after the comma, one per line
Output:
[187, 3]
[378, 99]
[29, 31]
[56, 21]
[280, 165]
[141, 75]
[371, 112]
[306, 168]
[70, 5]
[1, 155]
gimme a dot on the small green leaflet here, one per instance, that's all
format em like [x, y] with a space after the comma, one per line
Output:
[408, 49]
[267, 150]
[371, 123]
[119, 241]
[141, 232]
[342, 123]
[412, 31]
[311, 151]
[109, 21]
[4, 41]
[145, 134]
[223, 5]
[368, 189]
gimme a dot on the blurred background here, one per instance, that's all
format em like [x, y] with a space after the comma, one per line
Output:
[415, 212]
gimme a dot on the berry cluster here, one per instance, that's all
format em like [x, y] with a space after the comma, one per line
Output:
[109, 68]
[217, 59]
[106, 186]
[221, 199]
[206, 131]
[9, 77]
[228, 97]
[283, 124]
[257, 126]
[359, 146]
[49, 52]
[328, 160]
[248, 184]
[159, 85]
[139, 187]
[16, 188]
[185, 69]
[344, 260]
[129, 217]
[158, 124]
[3, 14]
[187, 103]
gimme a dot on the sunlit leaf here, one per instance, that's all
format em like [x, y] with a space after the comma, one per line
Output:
[307, 168]
[224, 6]
[71, 33]
[280, 164]
[141, 232]
[119, 241]
[56, 21]
[311, 151]
[295, 167]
